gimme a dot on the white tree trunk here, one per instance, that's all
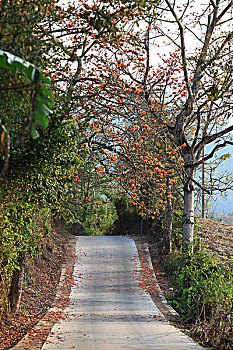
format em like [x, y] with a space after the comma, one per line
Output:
[188, 218]
[168, 237]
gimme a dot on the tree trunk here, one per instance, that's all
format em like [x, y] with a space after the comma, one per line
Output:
[203, 204]
[17, 285]
[169, 219]
[188, 218]
[169, 232]
[188, 223]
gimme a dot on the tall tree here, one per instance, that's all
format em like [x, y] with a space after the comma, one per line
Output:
[202, 114]
[185, 89]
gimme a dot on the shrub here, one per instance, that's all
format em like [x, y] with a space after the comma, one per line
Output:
[202, 286]
[203, 295]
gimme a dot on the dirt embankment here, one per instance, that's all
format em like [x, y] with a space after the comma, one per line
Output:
[40, 287]
[216, 236]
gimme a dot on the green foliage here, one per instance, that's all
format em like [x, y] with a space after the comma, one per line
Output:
[177, 230]
[41, 99]
[25, 101]
[202, 287]
[97, 216]
[202, 284]
[16, 64]
[22, 227]
[90, 195]
[28, 194]
[37, 186]
[42, 172]
[123, 205]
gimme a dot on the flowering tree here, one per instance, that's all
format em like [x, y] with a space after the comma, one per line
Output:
[199, 115]
[182, 97]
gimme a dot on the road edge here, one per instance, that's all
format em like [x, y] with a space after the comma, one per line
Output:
[160, 300]
[36, 337]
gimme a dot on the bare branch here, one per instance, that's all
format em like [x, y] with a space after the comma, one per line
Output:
[211, 154]
[183, 53]
[224, 11]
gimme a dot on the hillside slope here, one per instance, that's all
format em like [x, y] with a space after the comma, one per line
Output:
[216, 236]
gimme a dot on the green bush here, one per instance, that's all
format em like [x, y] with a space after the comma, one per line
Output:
[202, 286]
[22, 228]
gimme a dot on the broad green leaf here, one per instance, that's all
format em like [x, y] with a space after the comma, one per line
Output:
[42, 108]
[44, 98]
[47, 92]
[34, 132]
[41, 120]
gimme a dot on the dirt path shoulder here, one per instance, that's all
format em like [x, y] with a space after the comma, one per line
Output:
[44, 297]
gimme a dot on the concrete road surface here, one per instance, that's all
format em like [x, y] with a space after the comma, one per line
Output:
[108, 310]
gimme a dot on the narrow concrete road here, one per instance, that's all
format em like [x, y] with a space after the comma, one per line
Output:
[108, 310]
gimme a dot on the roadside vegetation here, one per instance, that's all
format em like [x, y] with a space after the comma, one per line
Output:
[203, 290]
